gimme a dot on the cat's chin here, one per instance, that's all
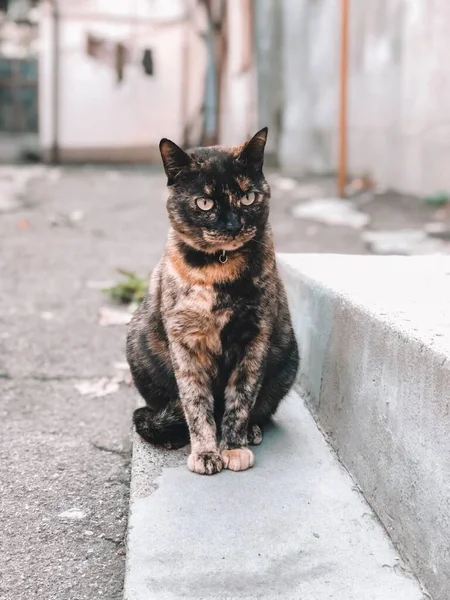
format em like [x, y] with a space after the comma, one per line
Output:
[214, 244]
[226, 246]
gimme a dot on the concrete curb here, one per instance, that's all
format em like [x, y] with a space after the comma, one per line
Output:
[374, 335]
[292, 527]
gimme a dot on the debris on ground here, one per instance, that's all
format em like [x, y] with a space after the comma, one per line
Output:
[443, 213]
[132, 289]
[404, 242]
[14, 182]
[104, 386]
[69, 220]
[438, 230]
[73, 513]
[359, 185]
[47, 315]
[108, 316]
[23, 224]
[331, 211]
[98, 388]
[123, 373]
[438, 199]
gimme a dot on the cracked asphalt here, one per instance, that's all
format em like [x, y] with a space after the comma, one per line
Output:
[64, 457]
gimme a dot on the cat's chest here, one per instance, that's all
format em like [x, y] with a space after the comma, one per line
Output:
[196, 321]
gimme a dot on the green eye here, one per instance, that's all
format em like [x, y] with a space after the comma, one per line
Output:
[204, 203]
[248, 199]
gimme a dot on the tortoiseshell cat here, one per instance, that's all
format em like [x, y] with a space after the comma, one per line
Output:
[211, 348]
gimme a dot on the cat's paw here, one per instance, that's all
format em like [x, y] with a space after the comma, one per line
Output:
[205, 463]
[238, 459]
[254, 435]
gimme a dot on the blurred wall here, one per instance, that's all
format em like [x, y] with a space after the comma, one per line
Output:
[399, 88]
[100, 116]
[238, 105]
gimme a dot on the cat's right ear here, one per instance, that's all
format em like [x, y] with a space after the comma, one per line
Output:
[175, 160]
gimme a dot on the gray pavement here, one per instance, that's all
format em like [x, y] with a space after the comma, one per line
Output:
[65, 457]
[292, 527]
[60, 451]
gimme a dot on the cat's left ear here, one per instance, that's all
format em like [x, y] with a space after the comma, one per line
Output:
[252, 153]
[175, 160]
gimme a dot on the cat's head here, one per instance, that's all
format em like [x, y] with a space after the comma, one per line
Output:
[218, 197]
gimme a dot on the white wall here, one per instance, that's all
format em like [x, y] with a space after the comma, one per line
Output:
[399, 90]
[238, 119]
[95, 110]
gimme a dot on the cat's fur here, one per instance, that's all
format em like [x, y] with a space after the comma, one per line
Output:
[211, 348]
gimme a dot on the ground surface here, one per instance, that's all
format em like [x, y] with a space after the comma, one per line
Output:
[64, 457]
[292, 527]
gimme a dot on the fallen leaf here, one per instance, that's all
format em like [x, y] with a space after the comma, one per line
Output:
[23, 224]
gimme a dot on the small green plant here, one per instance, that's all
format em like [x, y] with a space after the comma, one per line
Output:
[131, 289]
[438, 199]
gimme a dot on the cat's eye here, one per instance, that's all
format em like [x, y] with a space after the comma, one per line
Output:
[248, 198]
[204, 203]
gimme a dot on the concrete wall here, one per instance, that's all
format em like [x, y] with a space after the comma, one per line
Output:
[101, 118]
[238, 118]
[99, 115]
[374, 342]
[399, 89]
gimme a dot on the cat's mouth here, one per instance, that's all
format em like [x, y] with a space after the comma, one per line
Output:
[218, 241]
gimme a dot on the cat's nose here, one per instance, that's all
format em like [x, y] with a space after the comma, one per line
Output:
[232, 223]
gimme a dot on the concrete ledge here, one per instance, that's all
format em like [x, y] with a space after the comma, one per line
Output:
[292, 527]
[374, 335]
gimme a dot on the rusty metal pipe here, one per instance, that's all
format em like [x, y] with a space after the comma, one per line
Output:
[343, 81]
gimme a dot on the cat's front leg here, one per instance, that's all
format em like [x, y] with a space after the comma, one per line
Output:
[240, 397]
[194, 386]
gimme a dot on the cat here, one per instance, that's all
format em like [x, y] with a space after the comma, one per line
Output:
[211, 347]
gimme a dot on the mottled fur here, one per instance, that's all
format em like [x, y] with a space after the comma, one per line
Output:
[211, 348]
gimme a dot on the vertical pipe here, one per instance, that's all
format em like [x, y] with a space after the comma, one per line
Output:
[55, 153]
[342, 167]
[185, 66]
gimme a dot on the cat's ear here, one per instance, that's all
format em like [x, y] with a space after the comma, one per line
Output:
[252, 152]
[175, 160]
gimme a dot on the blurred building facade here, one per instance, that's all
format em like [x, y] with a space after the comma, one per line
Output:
[116, 77]
[398, 85]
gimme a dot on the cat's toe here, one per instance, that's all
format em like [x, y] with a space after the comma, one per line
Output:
[238, 459]
[255, 435]
[205, 463]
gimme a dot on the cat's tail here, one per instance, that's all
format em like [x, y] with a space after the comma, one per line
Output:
[167, 427]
